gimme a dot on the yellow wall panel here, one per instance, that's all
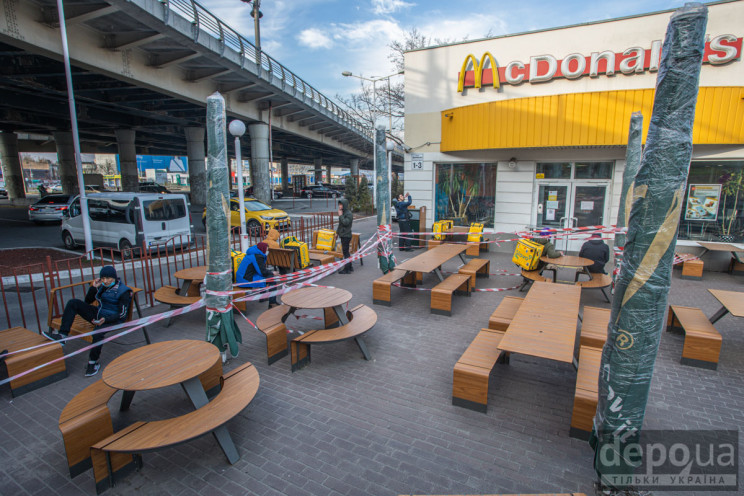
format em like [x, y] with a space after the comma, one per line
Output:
[584, 119]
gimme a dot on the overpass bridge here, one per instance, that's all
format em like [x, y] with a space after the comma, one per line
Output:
[142, 71]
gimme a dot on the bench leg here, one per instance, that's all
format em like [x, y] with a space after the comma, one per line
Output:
[139, 314]
[363, 347]
[605, 294]
[226, 443]
[300, 354]
[126, 400]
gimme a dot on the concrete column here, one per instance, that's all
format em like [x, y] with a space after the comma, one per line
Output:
[127, 159]
[12, 170]
[354, 166]
[66, 159]
[260, 172]
[197, 170]
[284, 163]
[318, 170]
[328, 174]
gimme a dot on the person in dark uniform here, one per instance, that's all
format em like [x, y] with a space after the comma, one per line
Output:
[597, 251]
[401, 210]
[345, 220]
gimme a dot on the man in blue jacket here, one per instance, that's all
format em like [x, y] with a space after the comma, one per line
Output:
[113, 298]
[401, 210]
[252, 270]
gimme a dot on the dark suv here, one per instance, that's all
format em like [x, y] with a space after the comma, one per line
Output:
[152, 188]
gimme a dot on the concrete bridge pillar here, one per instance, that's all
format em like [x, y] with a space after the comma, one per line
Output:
[197, 170]
[354, 166]
[260, 173]
[66, 159]
[328, 174]
[12, 170]
[127, 159]
[284, 164]
[318, 162]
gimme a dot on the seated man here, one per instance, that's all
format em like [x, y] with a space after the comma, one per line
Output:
[596, 250]
[549, 250]
[113, 298]
[252, 270]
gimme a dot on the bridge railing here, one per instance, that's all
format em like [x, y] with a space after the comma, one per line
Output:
[205, 21]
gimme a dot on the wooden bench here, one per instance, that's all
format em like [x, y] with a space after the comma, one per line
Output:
[168, 296]
[441, 294]
[586, 395]
[476, 267]
[361, 319]
[594, 327]
[335, 252]
[321, 258]
[702, 341]
[116, 451]
[80, 325]
[598, 281]
[381, 287]
[530, 276]
[20, 338]
[86, 419]
[473, 370]
[270, 323]
[282, 258]
[692, 269]
[504, 313]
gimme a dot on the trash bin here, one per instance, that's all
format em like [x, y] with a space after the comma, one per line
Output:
[418, 224]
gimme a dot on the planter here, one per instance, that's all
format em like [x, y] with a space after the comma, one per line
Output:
[727, 238]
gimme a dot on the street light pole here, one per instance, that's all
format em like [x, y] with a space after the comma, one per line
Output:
[237, 129]
[256, 14]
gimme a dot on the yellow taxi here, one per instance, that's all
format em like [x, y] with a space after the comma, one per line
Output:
[257, 215]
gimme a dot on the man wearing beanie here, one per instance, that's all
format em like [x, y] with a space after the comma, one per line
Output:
[345, 219]
[113, 298]
[252, 270]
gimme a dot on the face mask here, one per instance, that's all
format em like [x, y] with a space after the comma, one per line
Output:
[111, 284]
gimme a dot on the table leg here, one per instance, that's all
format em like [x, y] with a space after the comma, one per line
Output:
[717, 316]
[462, 257]
[363, 347]
[339, 309]
[139, 314]
[195, 392]
[184, 291]
[438, 272]
[226, 443]
[286, 315]
[126, 400]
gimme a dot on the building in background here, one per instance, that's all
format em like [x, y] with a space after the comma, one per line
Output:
[543, 143]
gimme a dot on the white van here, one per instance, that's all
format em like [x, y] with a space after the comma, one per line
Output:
[123, 220]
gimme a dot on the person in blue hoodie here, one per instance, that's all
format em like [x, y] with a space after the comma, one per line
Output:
[401, 211]
[252, 270]
[113, 297]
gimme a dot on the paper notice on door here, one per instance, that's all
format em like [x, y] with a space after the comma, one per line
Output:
[550, 214]
[587, 205]
[551, 204]
[552, 195]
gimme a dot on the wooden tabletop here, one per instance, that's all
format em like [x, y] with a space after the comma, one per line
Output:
[430, 260]
[719, 246]
[160, 364]
[192, 273]
[316, 297]
[545, 324]
[568, 261]
[732, 300]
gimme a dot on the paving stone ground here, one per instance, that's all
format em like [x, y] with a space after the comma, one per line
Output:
[346, 426]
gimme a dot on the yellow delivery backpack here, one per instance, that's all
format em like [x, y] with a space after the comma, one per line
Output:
[303, 255]
[527, 254]
[475, 233]
[440, 227]
[237, 257]
[326, 240]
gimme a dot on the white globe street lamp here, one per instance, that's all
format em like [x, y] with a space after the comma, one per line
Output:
[237, 129]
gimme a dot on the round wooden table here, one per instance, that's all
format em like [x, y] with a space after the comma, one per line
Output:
[160, 365]
[568, 261]
[190, 276]
[317, 298]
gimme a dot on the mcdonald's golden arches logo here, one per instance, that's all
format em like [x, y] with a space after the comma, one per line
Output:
[478, 71]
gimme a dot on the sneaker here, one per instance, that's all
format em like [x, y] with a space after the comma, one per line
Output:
[92, 369]
[54, 336]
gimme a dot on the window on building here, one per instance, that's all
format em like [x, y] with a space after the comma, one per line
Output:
[465, 193]
[713, 208]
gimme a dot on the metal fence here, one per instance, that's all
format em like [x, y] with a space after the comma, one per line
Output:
[30, 291]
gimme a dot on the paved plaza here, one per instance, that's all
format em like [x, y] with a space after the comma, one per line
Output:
[343, 425]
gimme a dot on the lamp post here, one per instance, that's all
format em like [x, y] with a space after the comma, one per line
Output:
[256, 14]
[237, 129]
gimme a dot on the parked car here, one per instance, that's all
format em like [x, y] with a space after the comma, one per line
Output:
[51, 208]
[153, 188]
[257, 215]
[3, 193]
[319, 191]
[124, 220]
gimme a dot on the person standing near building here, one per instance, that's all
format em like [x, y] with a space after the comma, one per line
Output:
[345, 219]
[113, 298]
[401, 211]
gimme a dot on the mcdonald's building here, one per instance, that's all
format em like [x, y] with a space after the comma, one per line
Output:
[530, 129]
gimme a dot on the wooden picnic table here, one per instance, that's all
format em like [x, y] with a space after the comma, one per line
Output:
[731, 301]
[709, 246]
[545, 324]
[579, 263]
[191, 275]
[317, 298]
[161, 365]
[432, 260]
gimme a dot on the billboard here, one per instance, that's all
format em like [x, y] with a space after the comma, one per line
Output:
[169, 163]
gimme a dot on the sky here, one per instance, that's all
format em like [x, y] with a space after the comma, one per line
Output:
[319, 39]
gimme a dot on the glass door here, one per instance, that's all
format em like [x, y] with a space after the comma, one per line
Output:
[588, 209]
[552, 205]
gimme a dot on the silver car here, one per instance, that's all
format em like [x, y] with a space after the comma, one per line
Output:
[51, 208]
